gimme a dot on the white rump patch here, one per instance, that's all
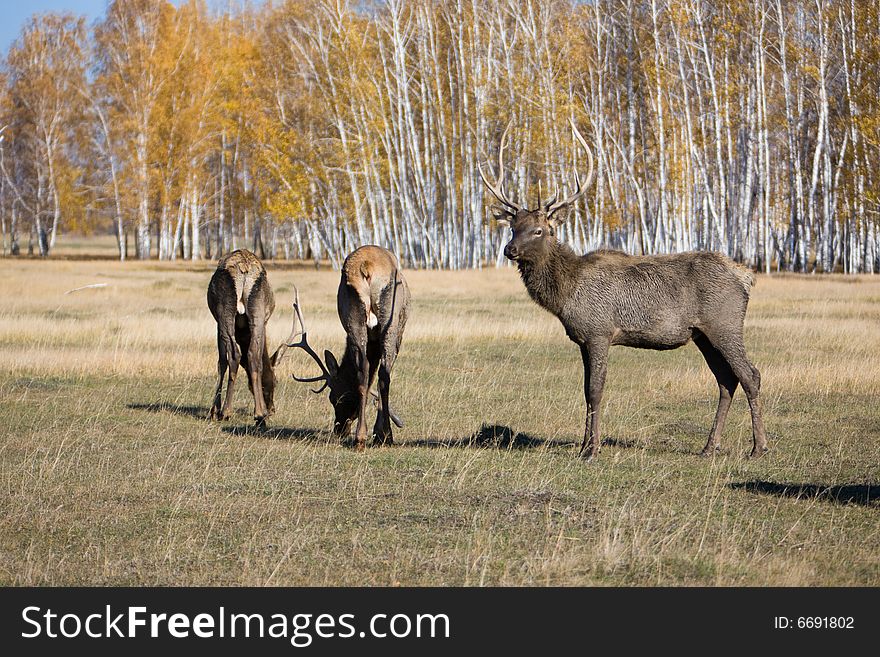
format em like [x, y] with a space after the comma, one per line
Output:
[372, 320]
[243, 286]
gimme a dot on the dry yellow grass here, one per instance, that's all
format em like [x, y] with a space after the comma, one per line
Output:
[110, 476]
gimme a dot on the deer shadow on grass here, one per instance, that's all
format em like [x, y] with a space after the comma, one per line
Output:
[678, 437]
[200, 412]
[303, 434]
[490, 436]
[862, 494]
[307, 434]
[626, 443]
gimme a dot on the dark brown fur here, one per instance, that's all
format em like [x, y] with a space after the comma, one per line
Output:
[241, 301]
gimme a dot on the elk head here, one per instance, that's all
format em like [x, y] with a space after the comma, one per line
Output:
[339, 379]
[270, 379]
[534, 231]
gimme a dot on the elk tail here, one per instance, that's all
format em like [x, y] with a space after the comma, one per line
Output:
[238, 281]
[245, 282]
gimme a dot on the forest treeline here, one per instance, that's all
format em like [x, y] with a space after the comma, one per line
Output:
[302, 129]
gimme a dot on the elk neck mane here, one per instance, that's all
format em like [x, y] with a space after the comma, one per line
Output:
[549, 280]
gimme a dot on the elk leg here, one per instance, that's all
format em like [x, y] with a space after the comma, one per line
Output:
[222, 365]
[585, 356]
[598, 367]
[759, 435]
[234, 356]
[363, 366]
[382, 429]
[268, 382]
[255, 360]
[727, 383]
[598, 359]
[734, 353]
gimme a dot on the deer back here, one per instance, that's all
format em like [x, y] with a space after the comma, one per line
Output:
[239, 286]
[372, 293]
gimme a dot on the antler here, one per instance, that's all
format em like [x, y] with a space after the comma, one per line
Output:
[282, 349]
[497, 188]
[304, 345]
[554, 205]
[391, 414]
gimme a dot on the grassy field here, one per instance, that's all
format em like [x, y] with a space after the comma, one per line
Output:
[110, 475]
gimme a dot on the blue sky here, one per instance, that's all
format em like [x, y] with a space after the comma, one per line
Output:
[16, 12]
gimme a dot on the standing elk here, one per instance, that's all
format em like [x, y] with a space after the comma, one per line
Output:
[372, 302]
[241, 301]
[609, 298]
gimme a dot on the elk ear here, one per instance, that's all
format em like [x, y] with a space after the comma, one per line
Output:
[557, 217]
[332, 365]
[501, 216]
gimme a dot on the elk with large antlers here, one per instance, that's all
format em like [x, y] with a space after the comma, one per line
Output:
[372, 302]
[241, 301]
[607, 298]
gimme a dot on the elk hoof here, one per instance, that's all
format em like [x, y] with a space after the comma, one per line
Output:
[260, 422]
[709, 452]
[360, 445]
[381, 438]
[589, 455]
[758, 452]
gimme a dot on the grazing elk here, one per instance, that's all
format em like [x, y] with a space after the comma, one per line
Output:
[372, 301]
[241, 301]
[609, 298]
